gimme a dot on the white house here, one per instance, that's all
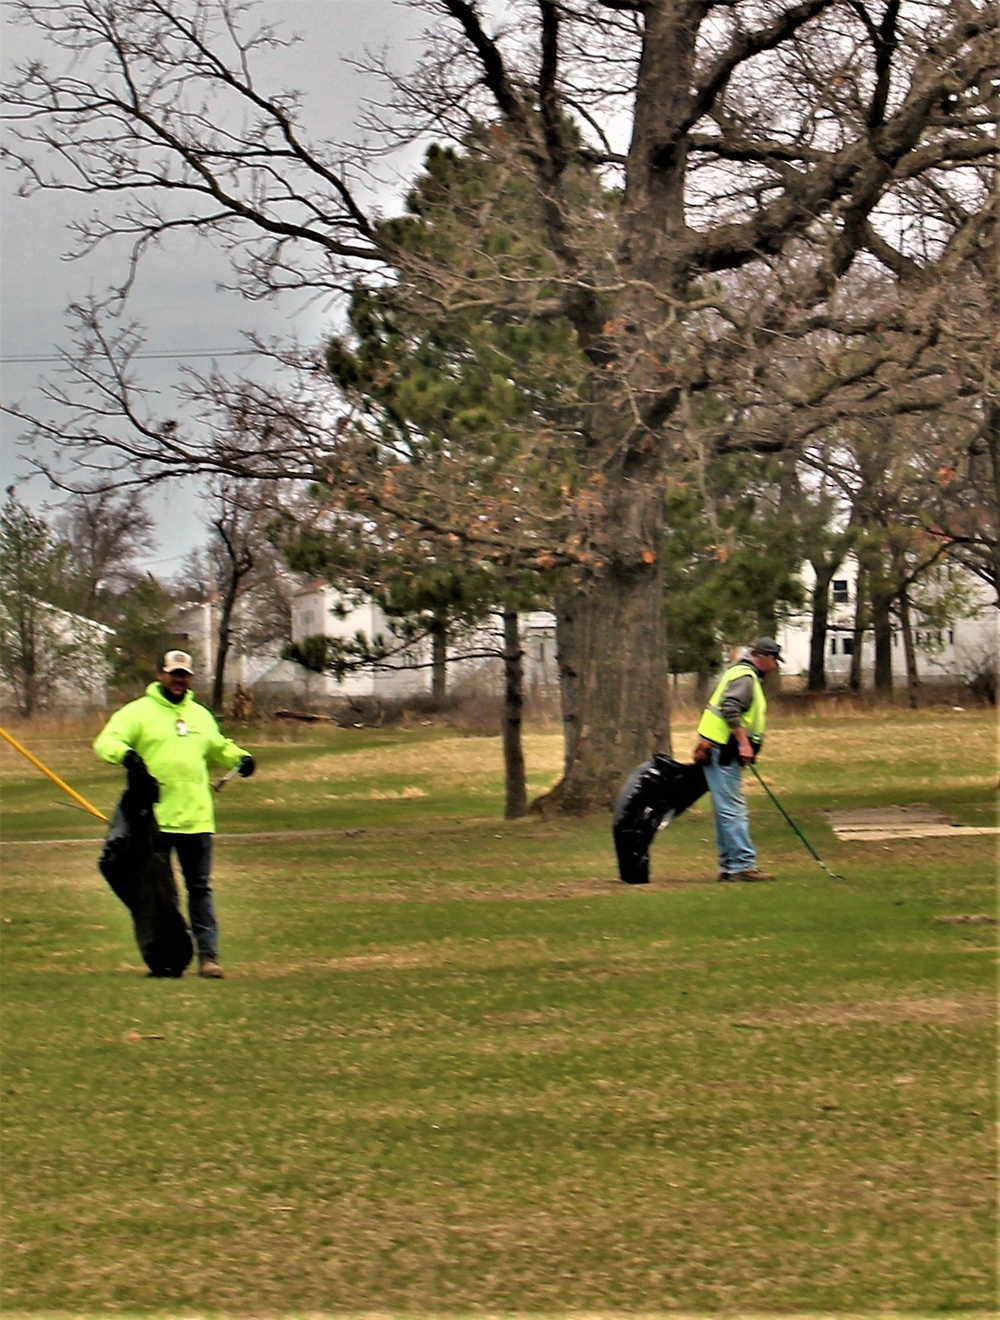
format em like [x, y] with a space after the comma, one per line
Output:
[539, 661]
[195, 625]
[956, 650]
[73, 652]
[319, 609]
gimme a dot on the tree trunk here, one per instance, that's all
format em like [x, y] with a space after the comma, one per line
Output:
[439, 661]
[29, 647]
[816, 682]
[858, 633]
[767, 626]
[614, 665]
[906, 628]
[992, 433]
[882, 629]
[612, 660]
[516, 799]
[224, 641]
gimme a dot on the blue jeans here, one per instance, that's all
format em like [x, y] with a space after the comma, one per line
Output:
[732, 822]
[194, 853]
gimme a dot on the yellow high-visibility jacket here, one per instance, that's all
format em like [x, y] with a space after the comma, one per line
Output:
[177, 743]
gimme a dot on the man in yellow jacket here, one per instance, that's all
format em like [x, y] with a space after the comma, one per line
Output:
[168, 739]
[730, 733]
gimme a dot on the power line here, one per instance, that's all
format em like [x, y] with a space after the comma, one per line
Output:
[153, 356]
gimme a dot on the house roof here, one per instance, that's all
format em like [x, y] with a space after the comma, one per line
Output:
[91, 624]
[318, 584]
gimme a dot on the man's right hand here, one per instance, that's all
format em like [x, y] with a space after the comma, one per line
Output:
[702, 754]
[140, 781]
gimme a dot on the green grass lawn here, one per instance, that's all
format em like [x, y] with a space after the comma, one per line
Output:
[457, 1068]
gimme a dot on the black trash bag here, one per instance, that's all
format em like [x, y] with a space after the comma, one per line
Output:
[654, 794]
[140, 874]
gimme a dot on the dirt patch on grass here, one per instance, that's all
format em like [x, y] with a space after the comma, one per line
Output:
[380, 795]
[945, 1010]
[967, 919]
[433, 957]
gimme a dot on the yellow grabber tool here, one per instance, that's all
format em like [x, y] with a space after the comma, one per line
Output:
[54, 777]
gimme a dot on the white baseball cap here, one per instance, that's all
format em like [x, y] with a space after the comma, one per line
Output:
[175, 660]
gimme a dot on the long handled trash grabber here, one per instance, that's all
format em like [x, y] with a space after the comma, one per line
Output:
[832, 874]
[220, 784]
[54, 777]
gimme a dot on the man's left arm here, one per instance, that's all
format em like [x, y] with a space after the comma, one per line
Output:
[223, 751]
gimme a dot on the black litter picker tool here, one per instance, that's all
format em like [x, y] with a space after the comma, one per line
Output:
[654, 794]
[832, 874]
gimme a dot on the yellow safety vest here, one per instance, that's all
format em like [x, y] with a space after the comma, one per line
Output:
[715, 728]
[177, 742]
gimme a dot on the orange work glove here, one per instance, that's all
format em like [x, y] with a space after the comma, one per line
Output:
[702, 753]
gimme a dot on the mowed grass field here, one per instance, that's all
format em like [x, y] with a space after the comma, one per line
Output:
[457, 1068]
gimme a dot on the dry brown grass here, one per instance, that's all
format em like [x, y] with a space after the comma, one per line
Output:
[445, 761]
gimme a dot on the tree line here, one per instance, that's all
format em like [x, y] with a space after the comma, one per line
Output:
[82, 565]
[739, 524]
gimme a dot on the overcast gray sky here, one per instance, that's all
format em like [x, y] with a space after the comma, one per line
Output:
[176, 298]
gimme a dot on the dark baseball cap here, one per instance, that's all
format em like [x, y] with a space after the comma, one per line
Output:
[767, 646]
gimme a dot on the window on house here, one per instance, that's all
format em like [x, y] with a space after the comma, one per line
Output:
[847, 645]
[833, 646]
[840, 592]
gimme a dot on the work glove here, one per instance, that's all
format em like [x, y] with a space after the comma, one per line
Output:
[246, 767]
[140, 781]
[702, 753]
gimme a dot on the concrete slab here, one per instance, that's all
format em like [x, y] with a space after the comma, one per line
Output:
[868, 824]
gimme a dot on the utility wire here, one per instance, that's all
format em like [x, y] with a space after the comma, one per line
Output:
[153, 356]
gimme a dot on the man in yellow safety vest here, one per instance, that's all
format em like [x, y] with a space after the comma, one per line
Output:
[730, 734]
[166, 739]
